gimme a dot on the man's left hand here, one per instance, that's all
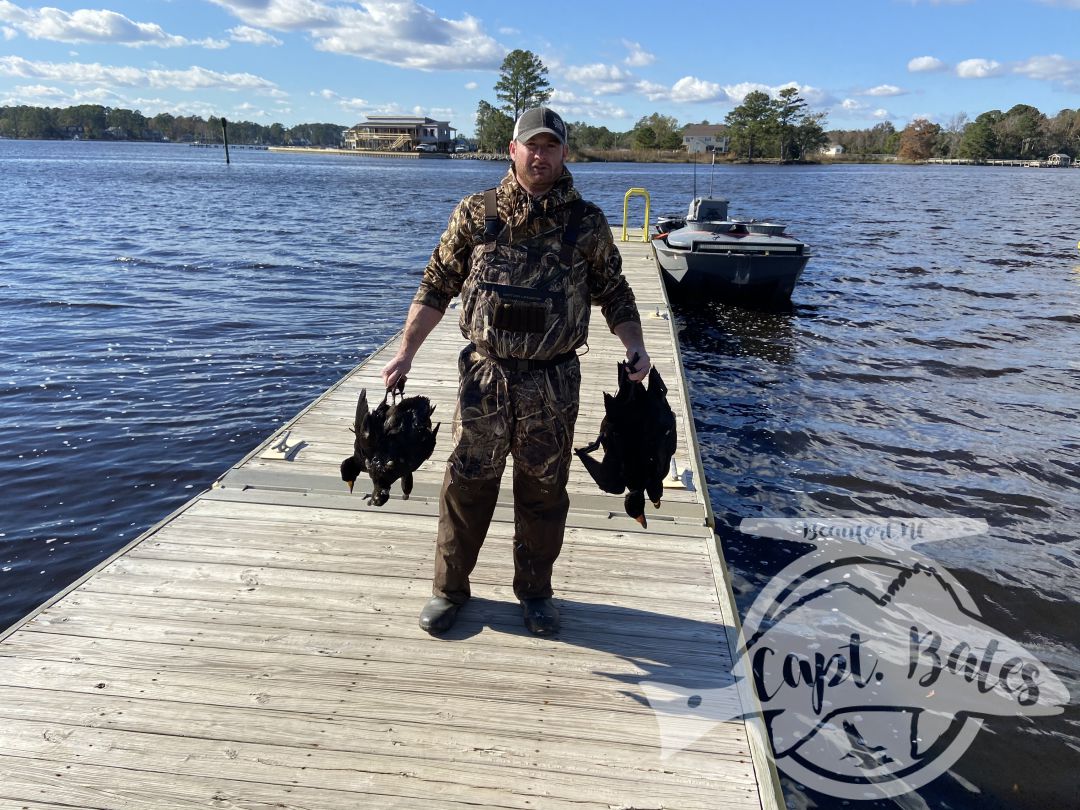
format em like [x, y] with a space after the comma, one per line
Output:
[638, 368]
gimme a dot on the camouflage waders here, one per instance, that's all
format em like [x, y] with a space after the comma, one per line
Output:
[528, 271]
[529, 415]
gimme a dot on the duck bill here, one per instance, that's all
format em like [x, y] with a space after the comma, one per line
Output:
[350, 483]
[641, 519]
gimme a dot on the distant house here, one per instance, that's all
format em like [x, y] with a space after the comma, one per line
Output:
[1058, 160]
[698, 138]
[832, 150]
[399, 133]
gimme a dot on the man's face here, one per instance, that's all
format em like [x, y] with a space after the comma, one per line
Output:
[538, 162]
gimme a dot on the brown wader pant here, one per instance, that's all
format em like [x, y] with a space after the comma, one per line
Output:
[529, 415]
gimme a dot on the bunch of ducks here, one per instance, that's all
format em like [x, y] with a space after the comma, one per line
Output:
[638, 436]
[391, 442]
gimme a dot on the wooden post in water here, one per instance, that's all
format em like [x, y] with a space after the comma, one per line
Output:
[225, 137]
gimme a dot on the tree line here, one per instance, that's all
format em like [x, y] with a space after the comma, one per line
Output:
[761, 127]
[96, 122]
[1021, 133]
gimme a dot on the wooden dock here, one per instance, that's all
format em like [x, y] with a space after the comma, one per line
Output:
[259, 648]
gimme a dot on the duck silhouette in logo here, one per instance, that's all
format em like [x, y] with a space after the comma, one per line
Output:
[391, 442]
[638, 436]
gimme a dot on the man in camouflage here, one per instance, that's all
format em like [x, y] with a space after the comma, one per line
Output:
[529, 259]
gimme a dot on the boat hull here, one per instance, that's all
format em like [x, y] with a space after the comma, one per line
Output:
[760, 277]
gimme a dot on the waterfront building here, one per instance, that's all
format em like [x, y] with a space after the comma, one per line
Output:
[698, 138]
[399, 133]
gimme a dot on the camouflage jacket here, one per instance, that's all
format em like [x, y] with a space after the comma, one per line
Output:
[524, 260]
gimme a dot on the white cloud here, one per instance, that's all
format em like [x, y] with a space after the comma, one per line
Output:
[98, 26]
[884, 91]
[738, 92]
[854, 107]
[253, 36]
[398, 32]
[926, 64]
[687, 90]
[638, 57]
[978, 69]
[39, 91]
[9, 12]
[438, 113]
[354, 105]
[653, 91]
[45, 95]
[690, 89]
[350, 105]
[574, 107]
[599, 78]
[814, 96]
[471, 85]
[249, 112]
[282, 15]
[9, 33]
[1053, 68]
[81, 73]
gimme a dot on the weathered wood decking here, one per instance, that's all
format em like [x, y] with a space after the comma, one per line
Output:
[260, 648]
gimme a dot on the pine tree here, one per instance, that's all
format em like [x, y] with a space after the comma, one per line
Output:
[522, 83]
[752, 121]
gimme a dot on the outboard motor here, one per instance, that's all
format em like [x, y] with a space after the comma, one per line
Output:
[707, 209]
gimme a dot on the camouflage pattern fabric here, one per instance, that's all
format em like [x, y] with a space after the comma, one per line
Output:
[528, 413]
[519, 301]
[550, 303]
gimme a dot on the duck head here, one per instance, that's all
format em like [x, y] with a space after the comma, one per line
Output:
[634, 503]
[350, 471]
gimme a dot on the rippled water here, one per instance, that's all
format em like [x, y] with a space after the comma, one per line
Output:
[163, 313]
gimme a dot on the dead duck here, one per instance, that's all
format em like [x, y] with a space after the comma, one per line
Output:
[638, 436]
[391, 443]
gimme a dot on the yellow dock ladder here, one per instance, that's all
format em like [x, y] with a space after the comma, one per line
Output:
[639, 192]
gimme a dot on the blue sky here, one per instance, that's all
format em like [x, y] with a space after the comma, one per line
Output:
[610, 63]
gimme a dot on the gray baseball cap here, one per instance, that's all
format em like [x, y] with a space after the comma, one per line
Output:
[537, 120]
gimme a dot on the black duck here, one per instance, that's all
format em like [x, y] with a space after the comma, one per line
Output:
[638, 436]
[391, 443]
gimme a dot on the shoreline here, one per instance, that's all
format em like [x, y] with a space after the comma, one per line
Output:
[593, 156]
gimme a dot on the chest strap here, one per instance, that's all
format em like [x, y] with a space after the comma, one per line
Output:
[493, 225]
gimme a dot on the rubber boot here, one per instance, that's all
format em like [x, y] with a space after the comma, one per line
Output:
[465, 512]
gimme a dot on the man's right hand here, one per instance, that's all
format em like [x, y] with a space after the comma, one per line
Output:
[396, 370]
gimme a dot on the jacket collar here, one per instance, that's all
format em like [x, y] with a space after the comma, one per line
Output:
[523, 205]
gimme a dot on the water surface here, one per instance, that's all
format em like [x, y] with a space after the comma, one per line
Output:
[163, 313]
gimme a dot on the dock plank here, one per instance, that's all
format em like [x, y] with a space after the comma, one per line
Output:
[259, 648]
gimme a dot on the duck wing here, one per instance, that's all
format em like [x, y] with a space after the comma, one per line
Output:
[608, 474]
[662, 437]
[361, 442]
